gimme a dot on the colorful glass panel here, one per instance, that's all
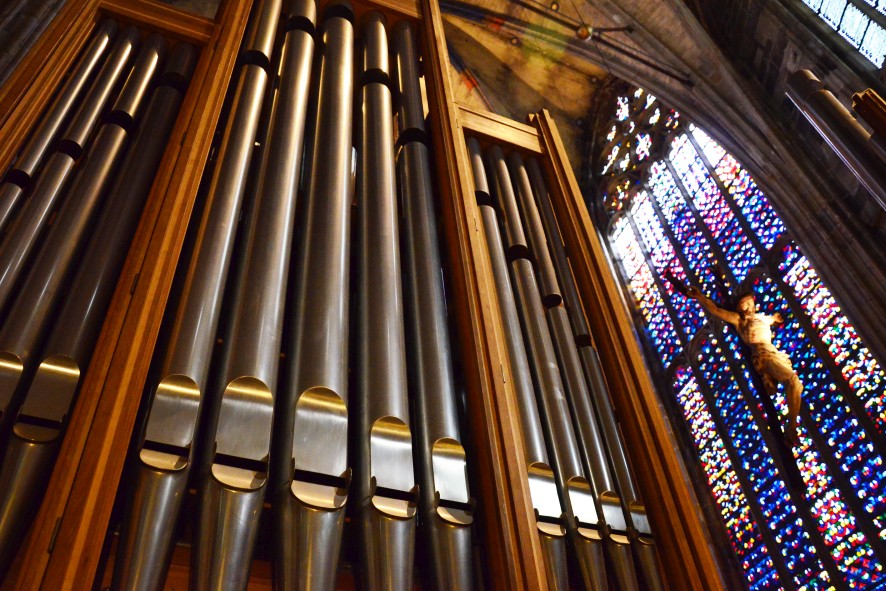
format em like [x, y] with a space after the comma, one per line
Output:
[861, 371]
[742, 529]
[782, 515]
[703, 221]
[846, 440]
[641, 283]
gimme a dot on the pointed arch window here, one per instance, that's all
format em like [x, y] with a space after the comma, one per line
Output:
[678, 205]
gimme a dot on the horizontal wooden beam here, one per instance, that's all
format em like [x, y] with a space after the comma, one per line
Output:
[498, 129]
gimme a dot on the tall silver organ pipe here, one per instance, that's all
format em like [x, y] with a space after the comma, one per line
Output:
[36, 398]
[311, 436]
[612, 527]
[35, 214]
[240, 418]
[625, 492]
[446, 506]
[575, 491]
[384, 485]
[166, 450]
[543, 476]
[33, 153]
[31, 305]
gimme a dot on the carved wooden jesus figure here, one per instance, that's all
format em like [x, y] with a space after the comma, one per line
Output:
[774, 366]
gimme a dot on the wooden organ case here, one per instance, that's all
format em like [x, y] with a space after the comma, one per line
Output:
[534, 522]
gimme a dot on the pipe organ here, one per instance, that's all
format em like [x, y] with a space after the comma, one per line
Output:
[301, 325]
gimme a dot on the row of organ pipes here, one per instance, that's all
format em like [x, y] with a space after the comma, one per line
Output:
[263, 396]
[68, 209]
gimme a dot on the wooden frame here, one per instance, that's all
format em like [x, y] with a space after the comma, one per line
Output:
[65, 542]
[64, 547]
[673, 511]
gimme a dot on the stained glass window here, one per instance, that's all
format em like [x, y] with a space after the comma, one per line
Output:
[684, 212]
[861, 22]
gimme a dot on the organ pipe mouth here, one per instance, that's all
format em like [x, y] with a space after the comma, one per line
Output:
[321, 491]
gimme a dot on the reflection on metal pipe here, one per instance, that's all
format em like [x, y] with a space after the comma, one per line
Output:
[311, 434]
[578, 499]
[57, 376]
[239, 420]
[516, 245]
[165, 454]
[612, 525]
[35, 214]
[446, 504]
[583, 523]
[386, 494]
[632, 506]
[538, 244]
[542, 479]
[542, 486]
[34, 151]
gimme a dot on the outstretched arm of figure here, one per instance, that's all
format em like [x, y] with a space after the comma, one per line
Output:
[706, 303]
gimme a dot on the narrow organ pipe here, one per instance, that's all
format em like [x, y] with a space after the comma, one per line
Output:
[35, 150]
[239, 419]
[633, 507]
[446, 505]
[384, 487]
[611, 525]
[164, 454]
[25, 234]
[583, 522]
[40, 424]
[546, 499]
[311, 436]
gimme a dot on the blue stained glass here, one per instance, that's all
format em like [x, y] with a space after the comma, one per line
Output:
[665, 260]
[742, 530]
[659, 327]
[849, 444]
[859, 368]
[684, 236]
[835, 522]
[782, 515]
[713, 208]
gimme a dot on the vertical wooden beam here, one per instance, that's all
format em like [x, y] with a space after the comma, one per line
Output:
[63, 549]
[673, 510]
[514, 554]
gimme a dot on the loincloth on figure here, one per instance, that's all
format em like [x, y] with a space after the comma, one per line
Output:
[772, 363]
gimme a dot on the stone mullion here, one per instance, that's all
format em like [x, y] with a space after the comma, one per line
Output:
[706, 232]
[659, 284]
[775, 549]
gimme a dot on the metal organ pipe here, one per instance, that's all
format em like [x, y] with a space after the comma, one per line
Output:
[593, 453]
[386, 494]
[54, 346]
[446, 507]
[625, 492]
[19, 178]
[575, 489]
[311, 435]
[36, 212]
[166, 451]
[239, 419]
[33, 303]
[543, 480]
